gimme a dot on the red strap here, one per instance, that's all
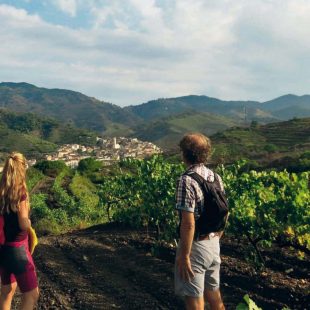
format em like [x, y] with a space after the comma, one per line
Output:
[2, 236]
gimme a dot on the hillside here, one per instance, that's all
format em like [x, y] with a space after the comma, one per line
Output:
[161, 121]
[289, 106]
[274, 140]
[168, 131]
[172, 106]
[33, 135]
[64, 105]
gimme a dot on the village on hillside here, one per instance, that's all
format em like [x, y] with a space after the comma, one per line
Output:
[107, 150]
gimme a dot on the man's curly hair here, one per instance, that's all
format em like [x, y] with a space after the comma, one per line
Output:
[196, 148]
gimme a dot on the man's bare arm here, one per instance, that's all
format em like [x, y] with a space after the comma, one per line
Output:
[187, 231]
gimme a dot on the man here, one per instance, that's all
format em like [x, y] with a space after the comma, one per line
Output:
[198, 258]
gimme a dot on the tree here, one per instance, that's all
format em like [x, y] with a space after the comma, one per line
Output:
[89, 165]
[51, 168]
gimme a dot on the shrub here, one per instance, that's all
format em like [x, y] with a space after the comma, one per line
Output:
[89, 165]
[51, 168]
[270, 148]
[305, 155]
[33, 177]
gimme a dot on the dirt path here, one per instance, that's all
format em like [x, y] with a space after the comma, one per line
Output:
[100, 270]
[108, 268]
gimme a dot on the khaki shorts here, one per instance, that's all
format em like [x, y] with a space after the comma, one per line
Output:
[205, 260]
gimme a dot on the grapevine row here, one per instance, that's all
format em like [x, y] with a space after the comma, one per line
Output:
[263, 205]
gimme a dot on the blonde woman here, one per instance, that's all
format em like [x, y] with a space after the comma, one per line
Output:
[16, 266]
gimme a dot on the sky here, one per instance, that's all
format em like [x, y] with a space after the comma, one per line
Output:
[131, 51]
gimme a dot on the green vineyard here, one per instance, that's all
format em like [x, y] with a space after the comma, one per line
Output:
[264, 206]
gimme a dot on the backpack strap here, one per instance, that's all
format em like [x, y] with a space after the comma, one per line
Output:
[197, 177]
[200, 180]
[217, 182]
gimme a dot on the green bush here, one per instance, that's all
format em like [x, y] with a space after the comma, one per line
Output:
[51, 168]
[305, 155]
[270, 148]
[85, 193]
[89, 165]
[144, 195]
[46, 226]
[33, 177]
[39, 208]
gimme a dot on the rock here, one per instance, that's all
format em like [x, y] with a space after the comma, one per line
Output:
[289, 270]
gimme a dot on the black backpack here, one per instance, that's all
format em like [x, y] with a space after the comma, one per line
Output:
[214, 214]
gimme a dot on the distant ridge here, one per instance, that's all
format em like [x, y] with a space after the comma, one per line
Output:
[64, 105]
[162, 121]
[260, 111]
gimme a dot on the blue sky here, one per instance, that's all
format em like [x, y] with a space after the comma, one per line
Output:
[131, 51]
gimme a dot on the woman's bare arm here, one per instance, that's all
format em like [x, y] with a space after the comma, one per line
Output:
[23, 216]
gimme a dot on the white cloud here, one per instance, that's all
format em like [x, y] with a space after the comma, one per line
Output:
[138, 50]
[67, 6]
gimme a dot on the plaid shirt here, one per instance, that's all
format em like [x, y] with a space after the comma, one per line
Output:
[189, 196]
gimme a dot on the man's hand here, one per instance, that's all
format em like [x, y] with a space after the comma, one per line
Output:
[184, 268]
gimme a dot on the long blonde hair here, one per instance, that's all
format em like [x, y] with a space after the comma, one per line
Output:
[13, 183]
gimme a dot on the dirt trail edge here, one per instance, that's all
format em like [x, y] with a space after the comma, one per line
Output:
[106, 267]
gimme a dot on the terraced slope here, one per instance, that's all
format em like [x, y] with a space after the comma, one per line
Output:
[289, 138]
[288, 134]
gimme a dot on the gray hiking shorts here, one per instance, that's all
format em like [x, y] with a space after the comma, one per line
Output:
[205, 261]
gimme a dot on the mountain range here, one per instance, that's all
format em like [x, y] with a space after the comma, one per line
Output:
[64, 105]
[282, 108]
[162, 121]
